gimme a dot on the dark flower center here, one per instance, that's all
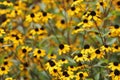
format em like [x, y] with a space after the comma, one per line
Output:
[51, 63]
[116, 72]
[3, 68]
[116, 47]
[85, 21]
[63, 59]
[80, 55]
[93, 13]
[44, 14]
[17, 38]
[36, 29]
[115, 63]
[106, 46]
[42, 28]
[101, 3]
[86, 46]
[97, 51]
[39, 51]
[26, 64]
[24, 50]
[55, 70]
[72, 8]
[32, 15]
[62, 21]
[118, 3]
[71, 66]
[76, 27]
[1, 40]
[79, 64]
[61, 46]
[65, 74]
[116, 26]
[5, 63]
[81, 75]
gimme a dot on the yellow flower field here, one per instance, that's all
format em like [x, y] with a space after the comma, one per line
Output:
[59, 39]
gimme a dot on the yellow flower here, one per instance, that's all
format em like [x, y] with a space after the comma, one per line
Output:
[52, 56]
[77, 29]
[66, 75]
[114, 65]
[44, 16]
[116, 4]
[4, 20]
[114, 30]
[10, 78]
[73, 11]
[55, 71]
[61, 24]
[80, 57]
[98, 54]
[35, 8]
[24, 51]
[62, 61]
[4, 70]
[33, 17]
[106, 48]
[115, 48]
[115, 74]
[86, 23]
[81, 75]
[7, 3]
[63, 49]
[72, 68]
[39, 53]
[87, 49]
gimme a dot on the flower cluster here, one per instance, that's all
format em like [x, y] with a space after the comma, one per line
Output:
[59, 40]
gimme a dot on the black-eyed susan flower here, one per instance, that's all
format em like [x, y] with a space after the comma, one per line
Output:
[4, 20]
[52, 56]
[35, 8]
[51, 64]
[106, 48]
[86, 23]
[94, 15]
[67, 75]
[4, 70]
[33, 17]
[55, 71]
[116, 4]
[115, 74]
[77, 29]
[9, 78]
[63, 61]
[72, 68]
[102, 3]
[114, 30]
[80, 57]
[115, 48]
[23, 51]
[63, 49]
[114, 65]
[98, 54]
[81, 75]
[61, 24]
[87, 49]
[73, 11]
[39, 53]
[7, 63]
[7, 3]
[45, 16]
